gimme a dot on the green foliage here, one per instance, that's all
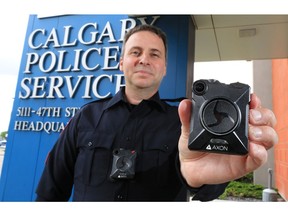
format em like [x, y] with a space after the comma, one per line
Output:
[3, 134]
[246, 179]
[243, 190]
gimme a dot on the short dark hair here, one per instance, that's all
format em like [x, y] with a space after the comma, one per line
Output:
[149, 28]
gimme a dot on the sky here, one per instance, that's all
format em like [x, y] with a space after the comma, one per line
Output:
[14, 16]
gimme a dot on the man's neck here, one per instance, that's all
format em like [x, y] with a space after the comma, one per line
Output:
[136, 96]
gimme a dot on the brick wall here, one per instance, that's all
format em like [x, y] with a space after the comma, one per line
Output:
[280, 108]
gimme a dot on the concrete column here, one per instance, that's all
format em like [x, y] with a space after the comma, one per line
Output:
[262, 86]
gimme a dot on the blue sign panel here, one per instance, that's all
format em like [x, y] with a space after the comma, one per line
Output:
[68, 61]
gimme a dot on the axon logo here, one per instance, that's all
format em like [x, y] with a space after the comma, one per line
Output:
[217, 148]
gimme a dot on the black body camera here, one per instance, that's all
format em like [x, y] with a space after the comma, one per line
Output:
[123, 166]
[219, 119]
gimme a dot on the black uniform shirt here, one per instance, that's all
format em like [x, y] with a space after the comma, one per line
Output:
[82, 156]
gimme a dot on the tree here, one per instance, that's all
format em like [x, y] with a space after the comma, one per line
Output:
[4, 134]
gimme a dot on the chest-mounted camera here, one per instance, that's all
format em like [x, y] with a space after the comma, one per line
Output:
[123, 166]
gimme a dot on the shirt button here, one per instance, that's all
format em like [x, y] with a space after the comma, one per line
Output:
[119, 197]
[90, 144]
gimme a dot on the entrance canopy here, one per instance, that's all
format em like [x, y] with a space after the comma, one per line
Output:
[240, 37]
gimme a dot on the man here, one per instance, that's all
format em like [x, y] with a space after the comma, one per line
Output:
[158, 166]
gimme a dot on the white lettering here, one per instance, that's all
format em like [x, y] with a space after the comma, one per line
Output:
[31, 60]
[52, 38]
[38, 126]
[71, 111]
[95, 85]
[56, 86]
[217, 147]
[39, 85]
[43, 59]
[143, 20]
[66, 37]
[125, 28]
[86, 56]
[93, 34]
[108, 57]
[44, 41]
[31, 38]
[56, 82]
[61, 61]
[107, 31]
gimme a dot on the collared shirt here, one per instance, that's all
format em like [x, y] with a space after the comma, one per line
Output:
[82, 158]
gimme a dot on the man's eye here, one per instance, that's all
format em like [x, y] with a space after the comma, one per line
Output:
[135, 53]
[155, 54]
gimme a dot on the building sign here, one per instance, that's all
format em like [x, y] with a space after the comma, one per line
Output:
[68, 61]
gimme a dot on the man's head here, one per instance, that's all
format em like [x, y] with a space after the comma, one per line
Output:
[146, 27]
[143, 59]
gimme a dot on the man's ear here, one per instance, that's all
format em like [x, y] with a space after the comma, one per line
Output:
[121, 64]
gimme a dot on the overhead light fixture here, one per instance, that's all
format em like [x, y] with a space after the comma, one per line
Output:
[247, 32]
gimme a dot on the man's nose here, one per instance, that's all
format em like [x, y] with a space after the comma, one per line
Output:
[144, 59]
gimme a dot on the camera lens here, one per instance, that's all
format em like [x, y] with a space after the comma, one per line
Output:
[199, 87]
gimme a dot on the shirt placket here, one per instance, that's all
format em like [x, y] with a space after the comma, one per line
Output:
[129, 141]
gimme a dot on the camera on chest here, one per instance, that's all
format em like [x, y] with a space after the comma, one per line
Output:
[219, 118]
[123, 166]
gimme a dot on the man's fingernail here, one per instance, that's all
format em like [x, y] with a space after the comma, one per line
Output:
[256, 115]
[257, 132]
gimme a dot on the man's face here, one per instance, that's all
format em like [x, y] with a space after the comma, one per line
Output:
[144, 61]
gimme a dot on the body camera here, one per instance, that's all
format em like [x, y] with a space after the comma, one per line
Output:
[219, 119]
[123, 166]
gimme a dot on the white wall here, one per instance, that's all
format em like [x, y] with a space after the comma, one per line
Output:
[225, 71]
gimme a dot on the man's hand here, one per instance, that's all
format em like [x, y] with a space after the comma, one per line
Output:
[200, 168]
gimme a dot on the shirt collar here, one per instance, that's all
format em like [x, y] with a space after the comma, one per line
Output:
[120, 96]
